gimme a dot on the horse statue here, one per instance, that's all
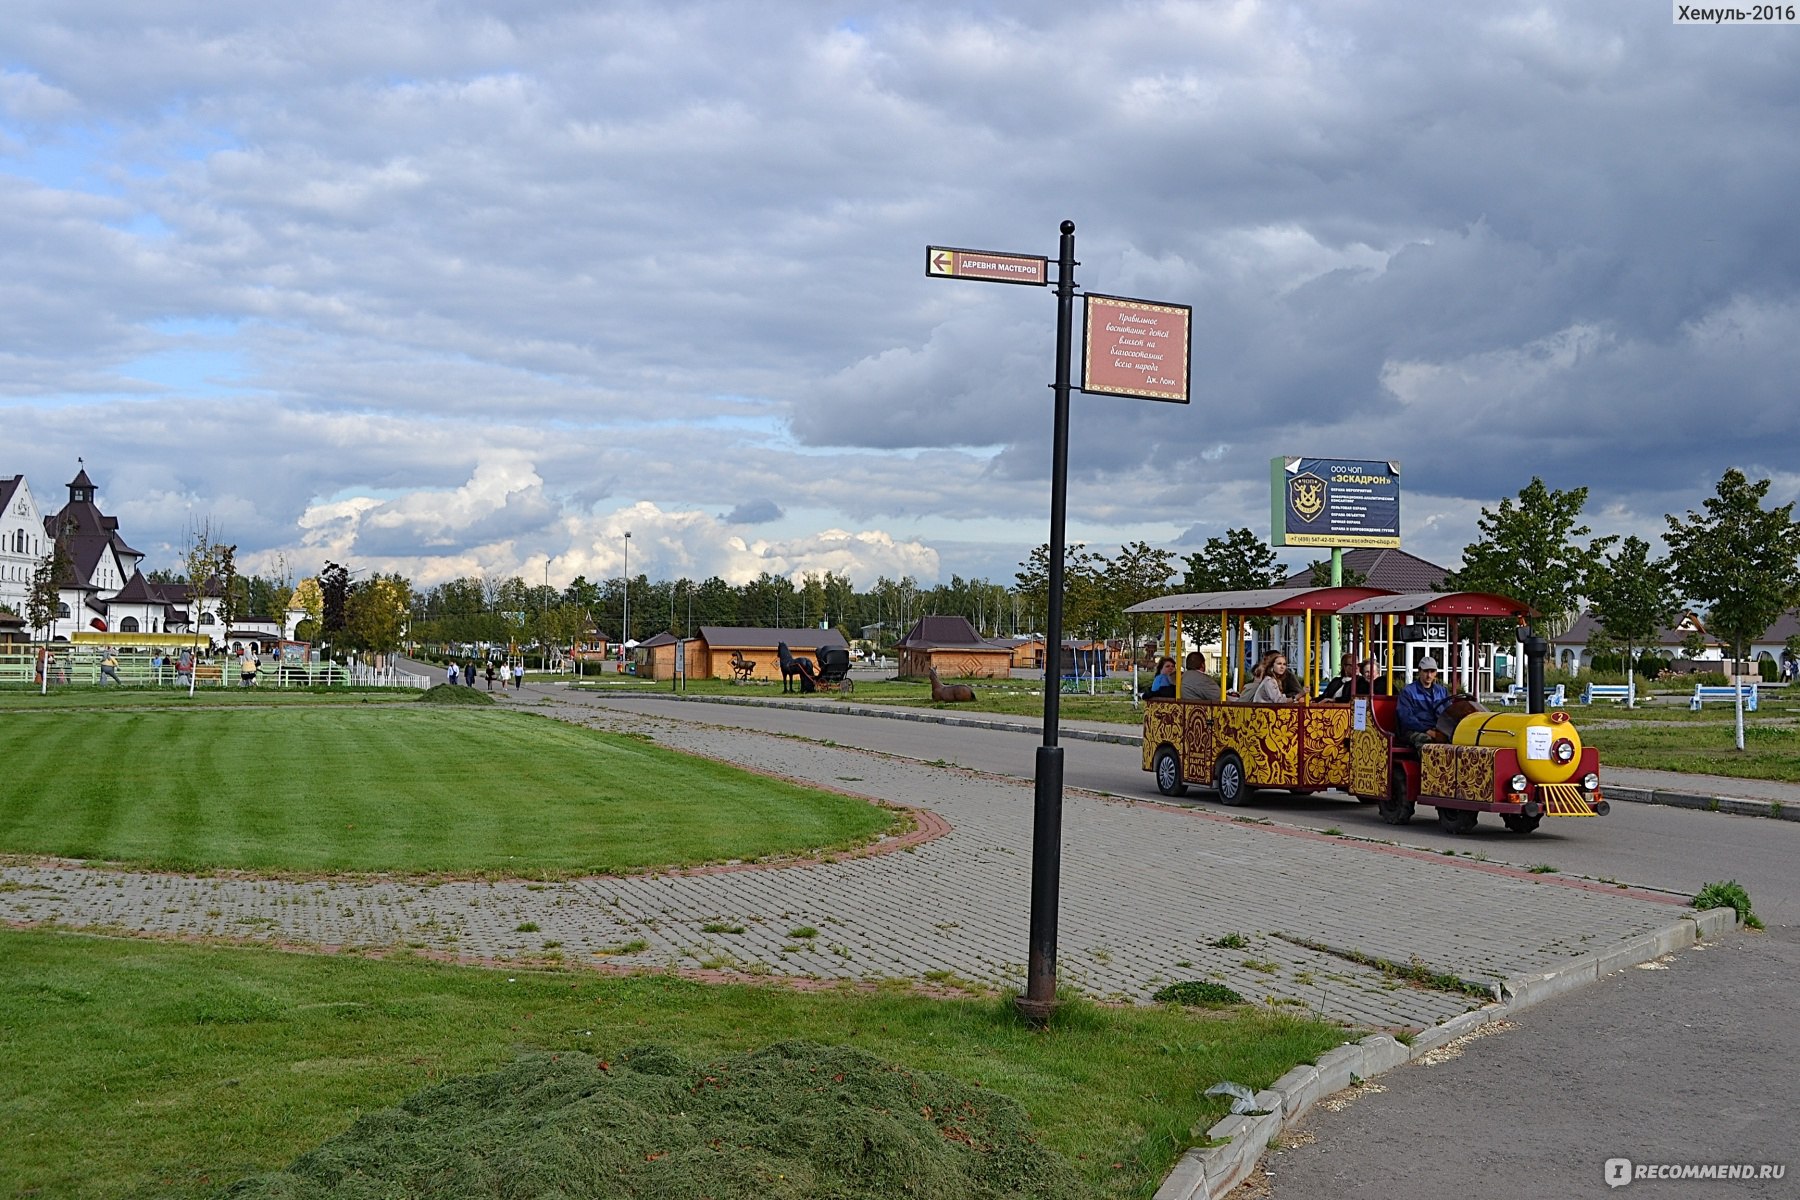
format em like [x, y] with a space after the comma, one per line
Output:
[793, 665]
[952, 693]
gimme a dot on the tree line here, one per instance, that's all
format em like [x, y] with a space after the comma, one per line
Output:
[1737, 560]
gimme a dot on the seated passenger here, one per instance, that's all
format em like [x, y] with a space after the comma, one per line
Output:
[1275, 683]
[1196, 684]
[1369, 682]
[1421, 703]
[1343, 684]
[1163, 686]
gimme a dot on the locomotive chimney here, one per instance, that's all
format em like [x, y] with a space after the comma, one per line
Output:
[1535, 649]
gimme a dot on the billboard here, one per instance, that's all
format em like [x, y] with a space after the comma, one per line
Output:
[1136, 348]
[1344, 502]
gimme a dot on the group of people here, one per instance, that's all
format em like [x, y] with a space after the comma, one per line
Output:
[457, 674]
[1417, 709]
[1271, 681]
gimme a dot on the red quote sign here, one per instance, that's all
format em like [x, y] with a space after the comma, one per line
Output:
[1136, 348]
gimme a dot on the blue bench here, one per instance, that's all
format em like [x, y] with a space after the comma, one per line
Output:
[1704, 692]
[1552, 698]
[1609, 691]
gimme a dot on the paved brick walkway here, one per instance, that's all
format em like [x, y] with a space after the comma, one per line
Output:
[1148, 891]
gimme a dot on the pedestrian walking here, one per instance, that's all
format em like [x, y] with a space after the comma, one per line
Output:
[518, 675]
[109, 669]
[490, 675]
[451, 673]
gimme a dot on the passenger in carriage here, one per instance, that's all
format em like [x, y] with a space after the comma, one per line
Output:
[1369, 680]
[1343, 684]
[1163, 686]
[1275, 684]
[1196, 684]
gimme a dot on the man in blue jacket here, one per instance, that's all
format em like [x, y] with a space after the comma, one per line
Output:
[1421, 703]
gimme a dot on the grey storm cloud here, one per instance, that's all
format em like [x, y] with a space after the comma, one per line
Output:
[479, 281]
[753, 512]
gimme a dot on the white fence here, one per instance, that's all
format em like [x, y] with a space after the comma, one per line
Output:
[81, 667]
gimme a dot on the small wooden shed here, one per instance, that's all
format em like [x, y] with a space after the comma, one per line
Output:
[710, 653]
[951, 645]
[655, 657]
[1027, 652]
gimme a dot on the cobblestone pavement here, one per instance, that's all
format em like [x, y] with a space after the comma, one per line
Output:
[1148, 892]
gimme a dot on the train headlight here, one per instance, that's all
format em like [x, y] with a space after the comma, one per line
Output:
[1563, 752]
[1591, 782]
[1518, 783]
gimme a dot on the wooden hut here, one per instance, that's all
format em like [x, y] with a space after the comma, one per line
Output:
[951, 645]
[710, 654]
[1027, 652]
[655, 657]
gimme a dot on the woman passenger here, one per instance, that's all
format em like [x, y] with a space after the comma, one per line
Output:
[1275, 684]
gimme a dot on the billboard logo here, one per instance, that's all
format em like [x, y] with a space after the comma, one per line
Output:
[1307, 494]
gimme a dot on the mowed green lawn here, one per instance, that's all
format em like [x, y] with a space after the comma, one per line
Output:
[408, 789]
[137, 1068]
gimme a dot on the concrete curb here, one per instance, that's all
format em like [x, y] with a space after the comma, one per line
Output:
[1742, 806]
[1211, 1173]
[1739, 805]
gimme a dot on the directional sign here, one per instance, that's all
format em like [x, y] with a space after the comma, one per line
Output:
[1136, 348]
[988, 266]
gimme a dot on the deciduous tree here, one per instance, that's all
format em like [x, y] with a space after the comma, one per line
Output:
[1739, 559]
[1632, 596]
[1536, 551]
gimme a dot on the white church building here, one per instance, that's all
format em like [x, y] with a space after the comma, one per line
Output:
[103, 589]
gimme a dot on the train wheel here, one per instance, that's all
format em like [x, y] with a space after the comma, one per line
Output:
[1167, 766]
[1397, 808]
[1519, 823]
[1233, 790]
[1458, 820]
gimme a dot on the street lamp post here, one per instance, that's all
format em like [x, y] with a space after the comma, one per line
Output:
[625, 634]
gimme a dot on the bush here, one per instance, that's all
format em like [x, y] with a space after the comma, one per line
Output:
[1769, 670]
[1730, 894]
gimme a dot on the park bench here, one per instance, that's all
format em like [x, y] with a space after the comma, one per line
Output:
[1704, 692]
[208, 673]
[1609, 691]
[1553, 697]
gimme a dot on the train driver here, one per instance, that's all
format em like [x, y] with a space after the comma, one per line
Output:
[1421, 703]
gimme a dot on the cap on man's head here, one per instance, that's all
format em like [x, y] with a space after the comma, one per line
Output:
[1428, 663]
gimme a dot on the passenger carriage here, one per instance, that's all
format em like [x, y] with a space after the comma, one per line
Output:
[1520, 766]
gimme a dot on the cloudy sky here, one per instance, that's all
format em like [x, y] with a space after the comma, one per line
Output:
[465, 287]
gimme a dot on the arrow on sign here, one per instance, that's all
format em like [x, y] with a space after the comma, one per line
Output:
[943, 262]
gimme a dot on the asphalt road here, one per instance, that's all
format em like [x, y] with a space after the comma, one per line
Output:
[1679, 850]
[1688, 1064]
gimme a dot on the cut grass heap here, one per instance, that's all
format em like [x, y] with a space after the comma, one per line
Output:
[797, 1119]
[443, 693]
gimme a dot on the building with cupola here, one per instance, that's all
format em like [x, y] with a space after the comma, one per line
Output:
[103, 588]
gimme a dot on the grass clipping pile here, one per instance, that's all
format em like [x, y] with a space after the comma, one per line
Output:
[445, 693]
[793, 1120]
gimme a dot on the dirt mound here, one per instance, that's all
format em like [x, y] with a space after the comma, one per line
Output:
[793, 1120]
